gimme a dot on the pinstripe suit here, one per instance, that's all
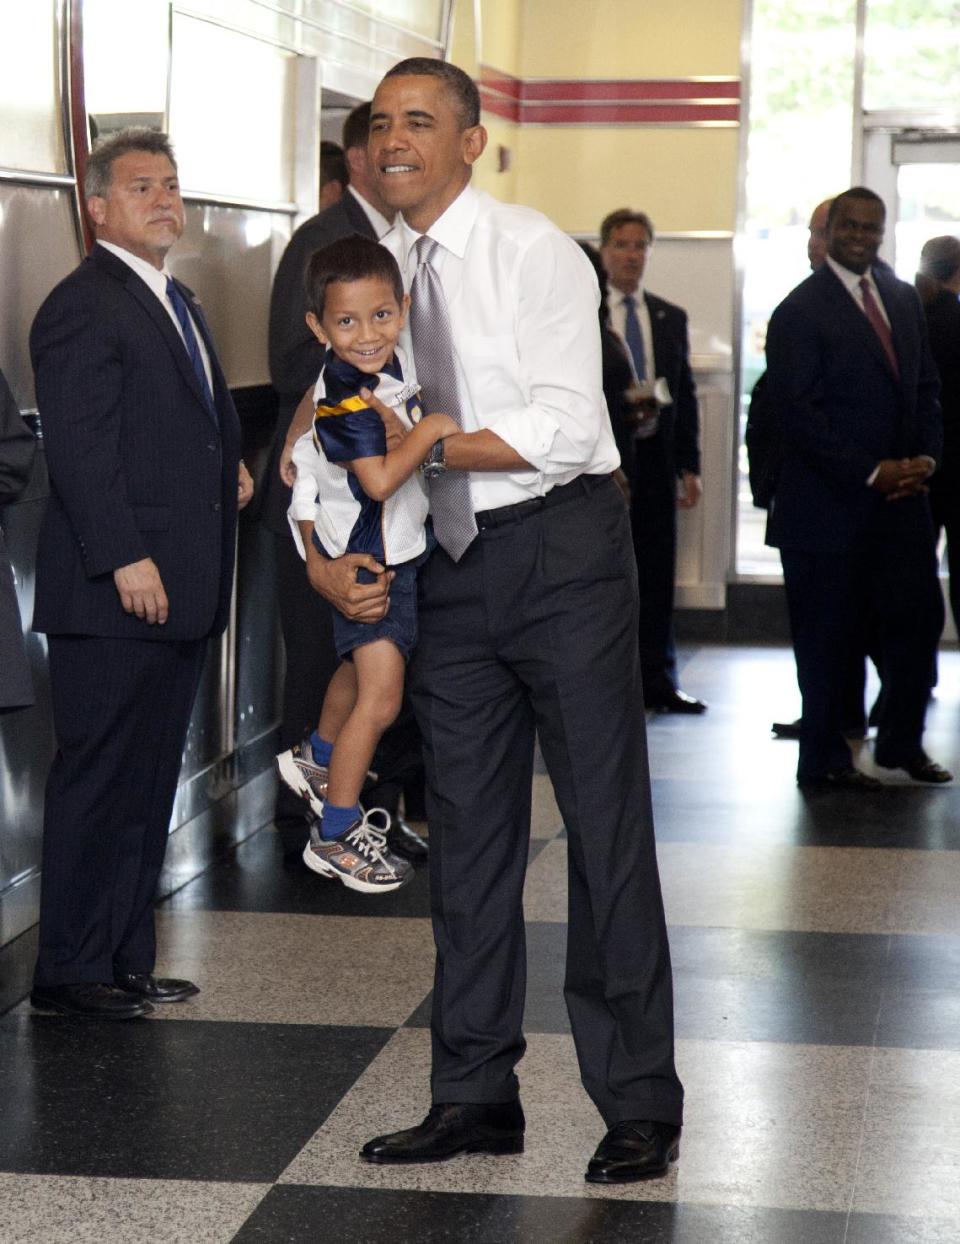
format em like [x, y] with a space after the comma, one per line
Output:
[139, 467]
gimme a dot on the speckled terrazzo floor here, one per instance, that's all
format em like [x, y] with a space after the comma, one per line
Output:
[816, 950]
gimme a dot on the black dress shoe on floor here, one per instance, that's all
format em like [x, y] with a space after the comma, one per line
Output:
[841, 779]
[923, 769]
[786, 729]
[635, 1150]
[155, 988]
[452, 1128]
[676, 702]
[90, 1000]
[402, 840]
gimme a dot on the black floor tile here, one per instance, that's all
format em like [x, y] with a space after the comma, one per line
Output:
[261, 877]
[738, 985]
[291, 1214]
[144, 1099]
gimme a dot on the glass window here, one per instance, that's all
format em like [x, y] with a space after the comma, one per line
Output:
[126, 53]
[928, 197]
[912, 54]
[232, 112]
[799, 153]
[31, 135]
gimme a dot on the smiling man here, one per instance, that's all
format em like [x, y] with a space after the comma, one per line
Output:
[528, 625]
[855, 390]
[134, 573]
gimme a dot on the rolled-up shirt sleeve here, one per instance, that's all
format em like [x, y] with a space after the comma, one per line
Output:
[303, 499]
[558, 360]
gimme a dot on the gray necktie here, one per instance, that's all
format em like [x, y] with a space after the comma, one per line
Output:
[450, 506]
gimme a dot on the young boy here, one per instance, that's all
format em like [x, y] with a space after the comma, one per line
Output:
[352, 496]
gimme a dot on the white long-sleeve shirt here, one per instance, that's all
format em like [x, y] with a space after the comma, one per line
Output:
[523, 303]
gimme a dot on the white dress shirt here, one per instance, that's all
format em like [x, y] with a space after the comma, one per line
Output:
[618, 322]
[523, 301]
[156, 279]
[378, 222]
[851, 283]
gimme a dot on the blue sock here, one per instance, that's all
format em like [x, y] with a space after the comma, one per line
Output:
[337, 820]
[322, 750]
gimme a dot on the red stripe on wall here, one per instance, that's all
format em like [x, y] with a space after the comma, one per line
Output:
[609, 101]
[609, 89]
[627, 114]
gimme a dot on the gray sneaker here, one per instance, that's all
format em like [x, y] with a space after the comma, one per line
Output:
[304, 776]
[359, 857]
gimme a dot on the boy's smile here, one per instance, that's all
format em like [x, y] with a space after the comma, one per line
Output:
[361, 322]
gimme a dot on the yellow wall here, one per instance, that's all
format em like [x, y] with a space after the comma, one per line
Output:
[685, 177]
[628, 38]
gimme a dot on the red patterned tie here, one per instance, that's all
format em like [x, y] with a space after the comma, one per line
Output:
[880, 325]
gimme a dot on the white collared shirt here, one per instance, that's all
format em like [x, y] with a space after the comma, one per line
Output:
[851, 282]
[156, 279]
[523, 302]
[378, 222]
[618, 322]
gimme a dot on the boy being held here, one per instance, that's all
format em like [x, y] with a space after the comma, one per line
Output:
[352, 496]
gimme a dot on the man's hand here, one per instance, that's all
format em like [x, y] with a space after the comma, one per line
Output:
[336, 581]
[244, 487]
[391, 423]
[141, 591]
[903, 477]
[621, 481]
[692, 490]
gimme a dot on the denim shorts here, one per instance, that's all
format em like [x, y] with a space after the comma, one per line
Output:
[400, 623]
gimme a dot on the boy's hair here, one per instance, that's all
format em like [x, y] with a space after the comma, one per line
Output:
[351, 259]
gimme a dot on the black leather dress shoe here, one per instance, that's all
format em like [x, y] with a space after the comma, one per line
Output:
[403, 840]
[635, 1150]
[92, 1001]
[452, 1128]
[922, 769]
[841, 779]
[786, 729]
[676, 702]
[155, 988]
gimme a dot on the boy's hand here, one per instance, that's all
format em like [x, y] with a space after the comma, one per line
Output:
[392, 426]
[336, 581]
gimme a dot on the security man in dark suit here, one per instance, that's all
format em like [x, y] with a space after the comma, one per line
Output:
[855, 390]
[664, 467]
[134, 574]
[295, 361]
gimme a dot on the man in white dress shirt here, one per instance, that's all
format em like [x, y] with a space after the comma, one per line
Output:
[527, 627]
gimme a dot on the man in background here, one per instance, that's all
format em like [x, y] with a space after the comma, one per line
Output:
[664, 469]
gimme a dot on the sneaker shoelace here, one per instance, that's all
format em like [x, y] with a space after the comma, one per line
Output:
[370, 841]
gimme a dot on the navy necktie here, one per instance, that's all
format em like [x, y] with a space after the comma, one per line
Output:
[178, 302]
[634, 337]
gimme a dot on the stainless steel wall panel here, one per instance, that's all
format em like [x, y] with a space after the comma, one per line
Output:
[228, 256]
[38, 247]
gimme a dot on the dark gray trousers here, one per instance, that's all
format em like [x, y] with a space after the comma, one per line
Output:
[535, 630]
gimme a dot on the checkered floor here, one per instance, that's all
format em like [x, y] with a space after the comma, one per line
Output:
[816, 947]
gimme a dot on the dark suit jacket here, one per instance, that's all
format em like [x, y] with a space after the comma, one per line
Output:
[840, 409]
[943, 324]
[295, 354]
[138, 465]
[17, 446]
[679, 423]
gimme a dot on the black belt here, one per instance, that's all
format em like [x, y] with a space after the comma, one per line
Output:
[581, 486]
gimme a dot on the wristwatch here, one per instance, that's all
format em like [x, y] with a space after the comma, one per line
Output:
[435, 463]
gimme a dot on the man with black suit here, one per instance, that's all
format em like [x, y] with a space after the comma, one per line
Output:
[855, 390]
[134, 573]
[666, 445]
